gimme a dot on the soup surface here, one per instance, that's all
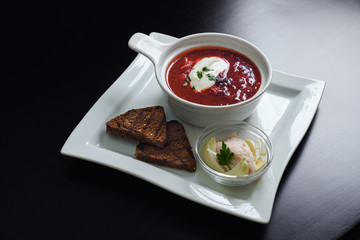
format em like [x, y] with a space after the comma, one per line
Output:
[213, 76]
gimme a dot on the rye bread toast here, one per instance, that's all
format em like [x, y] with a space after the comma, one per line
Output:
[177, 152]
[147, 125]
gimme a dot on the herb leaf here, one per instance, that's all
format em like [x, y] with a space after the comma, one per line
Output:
[211, 77]
[187, 79]
[206, 69]
[225, 155]
[199, 74]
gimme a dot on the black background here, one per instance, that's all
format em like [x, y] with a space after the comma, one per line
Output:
[58, 58]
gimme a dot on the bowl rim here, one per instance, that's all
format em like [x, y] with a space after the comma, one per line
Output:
[234, 124]
[163, 84]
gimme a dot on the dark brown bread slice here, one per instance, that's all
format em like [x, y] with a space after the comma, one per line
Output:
[146, 125]
[177, 152]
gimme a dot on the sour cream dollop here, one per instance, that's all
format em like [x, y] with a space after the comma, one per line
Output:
[203, 75]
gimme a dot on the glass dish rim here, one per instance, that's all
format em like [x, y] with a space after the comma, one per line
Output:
[234, 124]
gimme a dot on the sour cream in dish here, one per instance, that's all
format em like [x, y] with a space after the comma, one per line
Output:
[206, 71]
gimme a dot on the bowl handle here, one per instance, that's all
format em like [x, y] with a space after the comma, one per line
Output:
[147, 46]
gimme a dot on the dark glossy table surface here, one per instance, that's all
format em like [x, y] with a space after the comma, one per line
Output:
[61, 57]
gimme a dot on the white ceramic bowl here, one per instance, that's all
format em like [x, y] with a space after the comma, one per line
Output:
[161, 54]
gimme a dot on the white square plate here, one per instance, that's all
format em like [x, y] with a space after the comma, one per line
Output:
[284, 113]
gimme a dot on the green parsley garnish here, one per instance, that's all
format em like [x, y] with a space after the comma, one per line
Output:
[206, 69]
[199, 74]
[187, 79]
[225, 155]
[211, 77]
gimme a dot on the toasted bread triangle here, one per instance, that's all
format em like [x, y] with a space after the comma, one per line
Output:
[147, 125]
[177, 152]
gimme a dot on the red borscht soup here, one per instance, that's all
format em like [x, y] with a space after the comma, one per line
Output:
[239, 80]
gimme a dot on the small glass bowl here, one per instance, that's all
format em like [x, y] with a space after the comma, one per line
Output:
[223, 131]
